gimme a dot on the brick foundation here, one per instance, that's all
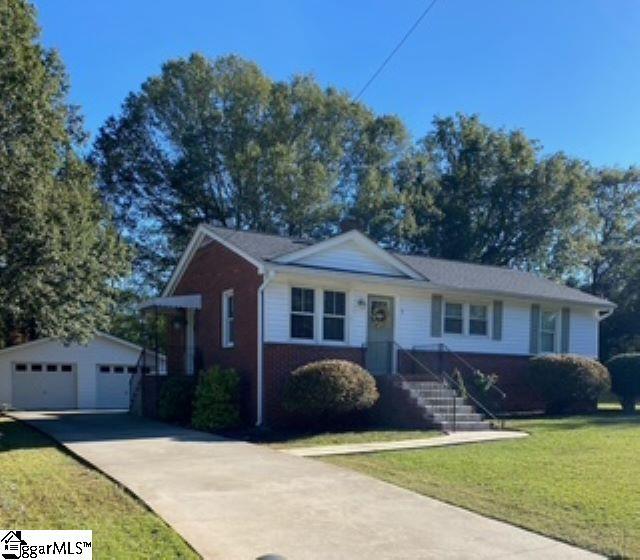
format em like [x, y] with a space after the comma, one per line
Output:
[511, 371]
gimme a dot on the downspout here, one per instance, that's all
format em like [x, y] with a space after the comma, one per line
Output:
[268, 276]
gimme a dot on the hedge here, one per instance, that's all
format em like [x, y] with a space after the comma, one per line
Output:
[216, 404]
[625, 379]
[326, 391]
[569, 384]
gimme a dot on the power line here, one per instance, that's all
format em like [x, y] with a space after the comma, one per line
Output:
[396, 49]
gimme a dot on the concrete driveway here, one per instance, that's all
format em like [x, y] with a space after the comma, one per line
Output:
[234, 500]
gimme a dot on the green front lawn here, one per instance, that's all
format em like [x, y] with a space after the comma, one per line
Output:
[576, 479]
[337, 438]
[42, 487]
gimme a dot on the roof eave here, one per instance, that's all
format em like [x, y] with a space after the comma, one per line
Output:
[425, 284]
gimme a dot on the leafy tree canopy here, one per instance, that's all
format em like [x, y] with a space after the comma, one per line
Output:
[218, 141]
[488, 196]
[60, 256]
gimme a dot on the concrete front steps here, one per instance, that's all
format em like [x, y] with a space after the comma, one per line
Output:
[436, 403]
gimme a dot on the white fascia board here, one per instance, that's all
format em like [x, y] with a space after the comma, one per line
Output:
[362, 241]
[201, 232]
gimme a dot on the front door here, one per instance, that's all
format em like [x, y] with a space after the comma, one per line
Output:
[380, 335]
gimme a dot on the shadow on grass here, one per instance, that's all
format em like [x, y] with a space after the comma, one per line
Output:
[600, 419]
[15, 435]
[282, 435]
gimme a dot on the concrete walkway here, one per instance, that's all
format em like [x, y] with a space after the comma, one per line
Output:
[456, 438]
[234, 500]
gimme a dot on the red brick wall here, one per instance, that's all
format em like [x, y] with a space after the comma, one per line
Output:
[511, 371]
[281, 359]
[212, 270]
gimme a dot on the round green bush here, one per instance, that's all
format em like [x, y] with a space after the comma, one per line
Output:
[329, 389]
[568, 383]
[175, 402]
[625, 379]
[216, 404]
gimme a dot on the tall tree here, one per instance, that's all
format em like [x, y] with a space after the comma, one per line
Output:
[489, 197]
[218, 141]
[612, 269]
[59, 254]
[372, 200]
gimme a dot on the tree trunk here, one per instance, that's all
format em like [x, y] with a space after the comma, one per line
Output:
[629, 405]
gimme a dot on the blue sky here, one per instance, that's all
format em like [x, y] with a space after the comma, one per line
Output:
[565, 71]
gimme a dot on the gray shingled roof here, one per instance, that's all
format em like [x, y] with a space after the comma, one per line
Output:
[446, 273]
[261, 246]
[468, 276]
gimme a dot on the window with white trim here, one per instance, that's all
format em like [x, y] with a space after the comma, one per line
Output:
[334, 314]
[302, 313]
[478, 320]
[453, 318]
[548, 330]
[228, 319]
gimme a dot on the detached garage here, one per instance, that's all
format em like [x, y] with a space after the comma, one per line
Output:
[49, 375]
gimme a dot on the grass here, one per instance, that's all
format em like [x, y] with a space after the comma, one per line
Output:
[575, 479]
[336, 438]
[42, 487]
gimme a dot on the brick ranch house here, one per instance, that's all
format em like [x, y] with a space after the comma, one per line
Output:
[266, 304]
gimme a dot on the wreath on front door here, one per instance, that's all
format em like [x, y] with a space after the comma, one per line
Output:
[379, 315]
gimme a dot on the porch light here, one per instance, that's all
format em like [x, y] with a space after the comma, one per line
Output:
[177, 323]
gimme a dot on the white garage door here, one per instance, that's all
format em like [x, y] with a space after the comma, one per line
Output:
[44, 386]
[113, 385]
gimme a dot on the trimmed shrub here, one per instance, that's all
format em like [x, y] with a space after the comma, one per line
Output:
[568, 383]
[329, 390]
[625, 380]
[216, 404]
[175, 403]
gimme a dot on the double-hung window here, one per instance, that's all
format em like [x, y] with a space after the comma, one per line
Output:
[548, 331]
[478, 320]
[228, 319]
[453, 318]
[334, 316]
[302, 313]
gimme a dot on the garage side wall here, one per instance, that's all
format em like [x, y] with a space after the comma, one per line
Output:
[85, 358]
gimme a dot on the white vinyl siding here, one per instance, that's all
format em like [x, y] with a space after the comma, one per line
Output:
[583, 333]
[413, 315]
[348, 256]
[276, 312]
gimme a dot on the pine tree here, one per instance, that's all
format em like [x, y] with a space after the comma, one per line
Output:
[60, 256]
